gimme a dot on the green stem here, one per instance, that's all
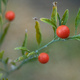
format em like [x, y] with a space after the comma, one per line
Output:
[55, 34]
[46, 45]
[18, 67]
[32, 57]
[5, 66]
[51, 43]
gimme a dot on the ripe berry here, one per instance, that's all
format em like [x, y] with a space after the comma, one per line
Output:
[63, 31]
[43, 58]
[10, 15]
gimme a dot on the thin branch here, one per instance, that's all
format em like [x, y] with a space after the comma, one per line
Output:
[32, 57]
[19, 66]
[51, 43]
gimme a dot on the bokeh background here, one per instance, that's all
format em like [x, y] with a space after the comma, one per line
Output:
[64, 63]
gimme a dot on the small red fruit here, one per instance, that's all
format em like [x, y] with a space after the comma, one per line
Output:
[43, 58]
[63, 31]
[10, 15]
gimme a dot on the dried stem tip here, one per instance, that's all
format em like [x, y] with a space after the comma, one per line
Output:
[35, 18]
[26, 30]
[54, 3]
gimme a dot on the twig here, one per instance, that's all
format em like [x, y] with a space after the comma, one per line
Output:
[32, 57]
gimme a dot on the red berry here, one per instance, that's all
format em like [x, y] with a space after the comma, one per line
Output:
[63, 31]
[43, 58]
[10, 15]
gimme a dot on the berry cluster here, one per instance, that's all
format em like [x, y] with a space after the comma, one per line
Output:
[62, 32]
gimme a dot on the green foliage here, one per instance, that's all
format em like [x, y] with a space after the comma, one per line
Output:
[2, 70]
[38, 32]
[24, 43]
[6, 60]
[31, 54]
[1, 54]
[54, 14]
[4, 79]
[21, 58]
[77, 21]
[1, 75]
[48, 21]
[53, 21]
[13, 63]
[59, 19]
[5, 1]
[22, 48]
[4, 33]
[54, 17]
[1, 21]
[65, 17]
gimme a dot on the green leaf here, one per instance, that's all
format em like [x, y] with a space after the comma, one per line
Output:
[59, 19]
[1, 28]
[65, 17]
[21, 58]
[1, 21]
[48, 21]
[54, 14]
[38, 32]
[2, 70]
[1, 75]
[6, 61]
[5, 1]
[77, 21]
[13, 63]
[24, 43]
[4, 79]
[1, 54]
[22, 48]
[31, 53]
[54, 17]
[4, 33]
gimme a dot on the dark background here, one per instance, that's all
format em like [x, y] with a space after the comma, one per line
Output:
[64, 61]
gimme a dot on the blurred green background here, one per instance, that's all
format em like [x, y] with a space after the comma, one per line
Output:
[64, 63]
